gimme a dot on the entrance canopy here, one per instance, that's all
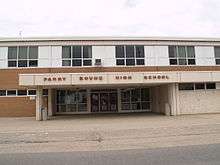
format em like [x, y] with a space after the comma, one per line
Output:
[114, 78]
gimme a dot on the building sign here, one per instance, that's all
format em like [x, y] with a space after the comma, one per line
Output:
[156, 77]
[59, 79]
[123, 77]
[90, 78]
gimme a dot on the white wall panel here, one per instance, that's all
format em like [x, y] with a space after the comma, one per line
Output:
[161, 52]
[205, 56]
[156, 55]
[3, 57]
[106, 53]
[56, 56]
[44, 56]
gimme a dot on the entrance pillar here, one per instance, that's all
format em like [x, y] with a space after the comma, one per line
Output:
[173, 99]
[39, 103]
[119, 99]
[50, 102]
[88, 100]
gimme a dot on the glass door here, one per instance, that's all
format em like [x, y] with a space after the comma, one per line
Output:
[104, 101]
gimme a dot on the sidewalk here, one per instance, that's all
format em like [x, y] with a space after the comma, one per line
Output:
[107, 132]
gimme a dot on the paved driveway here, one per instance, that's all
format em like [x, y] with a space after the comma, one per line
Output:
[107, 132]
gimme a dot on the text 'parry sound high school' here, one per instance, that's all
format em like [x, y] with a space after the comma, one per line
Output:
[80, 75]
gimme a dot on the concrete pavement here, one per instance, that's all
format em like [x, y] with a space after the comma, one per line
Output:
[196, 155]
[107, 132]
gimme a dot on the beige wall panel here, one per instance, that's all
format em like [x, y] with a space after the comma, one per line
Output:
[193, 102]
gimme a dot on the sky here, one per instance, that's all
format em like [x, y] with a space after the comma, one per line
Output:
[146, 18]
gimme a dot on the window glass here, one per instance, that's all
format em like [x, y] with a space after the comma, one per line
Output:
[217, 52]
[66, 62]
[173, 61]
[120, 62]
[33, 52]
[45, 92]
[217, 61]
[87, 62]
[12, 52]
[210, 86]
[2, 92]
[181, 52]
[186, 86]
[130, 62]
[145, 94]
[130, 51]
[66, 51]
[140, 51]
[120, 52]
[199, 86]
[77, 52]
[182, 62]
[76, 62]
[61, 96]
[32, 92]
[11, 92]
[190, 52]
[135, 94]
[87, 52]
[172, 52]
[22, 92]
[33, 63]
[140, 61]
[12, 63]
[22, 63]
[22, 52]
[191, 61]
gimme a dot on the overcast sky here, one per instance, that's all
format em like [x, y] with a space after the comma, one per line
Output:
[190, 18]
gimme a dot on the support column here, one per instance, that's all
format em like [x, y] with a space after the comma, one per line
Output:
[39, 102]
[119, 99]
[173, 99]
[88, 100]
[50, 102]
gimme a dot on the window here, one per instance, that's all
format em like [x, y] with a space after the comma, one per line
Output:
[11, 92]
[197, 86]
[186, 86]
[217, 55]
[135, 99]
[130, 55]
[23, 56]
[31, 92]
[77, 56]
[182, 55]
[210, 85]
[2, 92]
[71, 101]
[22, 93]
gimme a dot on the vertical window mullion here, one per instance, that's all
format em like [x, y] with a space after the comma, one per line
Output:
[82, 58]
[177, 55]
[135, 56]
[28, 58]
[17, 56]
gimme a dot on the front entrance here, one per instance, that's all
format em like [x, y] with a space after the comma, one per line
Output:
[104, 101]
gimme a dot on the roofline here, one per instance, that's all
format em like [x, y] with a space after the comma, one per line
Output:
[107, 38]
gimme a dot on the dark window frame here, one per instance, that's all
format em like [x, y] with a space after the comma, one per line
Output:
[122, 55]
[85, 56]
[175, 58]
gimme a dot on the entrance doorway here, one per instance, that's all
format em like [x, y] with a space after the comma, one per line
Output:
[104, 101]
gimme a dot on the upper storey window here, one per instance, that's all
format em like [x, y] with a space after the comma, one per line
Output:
[76, 55]
[182, 55]
[130, 55]
[23, 56]
[217, 55]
